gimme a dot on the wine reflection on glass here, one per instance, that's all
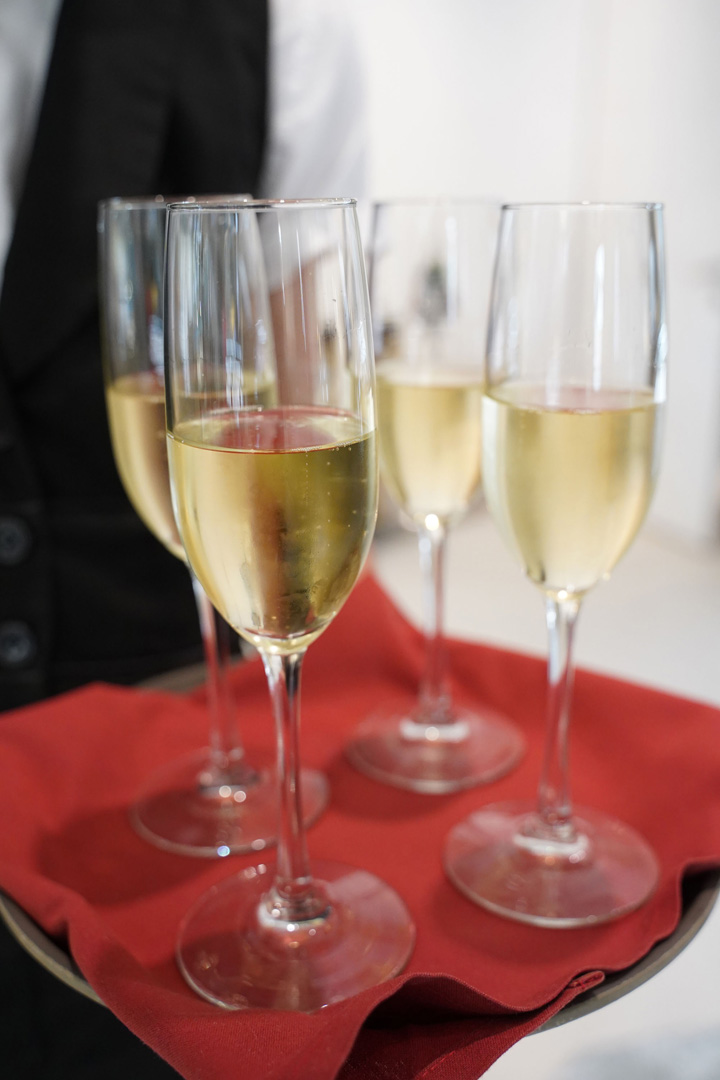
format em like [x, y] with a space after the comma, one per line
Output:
[430, 271]
[214, 802]
[276, 498]
[576, 371]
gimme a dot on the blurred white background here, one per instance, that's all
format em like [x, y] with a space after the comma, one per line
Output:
[557, 100]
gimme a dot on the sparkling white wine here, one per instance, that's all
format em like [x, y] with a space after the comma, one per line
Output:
[430, 437]
[136, 413]
[276, 509]
[569, 479]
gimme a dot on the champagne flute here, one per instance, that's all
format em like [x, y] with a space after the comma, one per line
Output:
[576, 370]
[275, 490]
[430, 271]
[213, 802]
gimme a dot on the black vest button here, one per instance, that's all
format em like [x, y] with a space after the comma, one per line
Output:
[17, 644]
[15, 540]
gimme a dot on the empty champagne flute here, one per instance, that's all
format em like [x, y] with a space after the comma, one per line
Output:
[430, 272]
[576, 372]
[213, 802]
[275, 488]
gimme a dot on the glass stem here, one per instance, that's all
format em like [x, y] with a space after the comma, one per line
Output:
[554, 802]
[294, 896]
[227, 766]
[435, 706]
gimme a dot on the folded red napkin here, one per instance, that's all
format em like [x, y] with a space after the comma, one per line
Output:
[476, 982]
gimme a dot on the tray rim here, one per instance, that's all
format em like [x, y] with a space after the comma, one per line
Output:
[701, 890]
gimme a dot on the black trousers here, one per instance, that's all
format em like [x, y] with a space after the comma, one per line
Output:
[48, 1031]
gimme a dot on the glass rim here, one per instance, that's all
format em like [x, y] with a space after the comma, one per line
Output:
[134, 202]
[150, 202]
[583, 205]
[209, 205]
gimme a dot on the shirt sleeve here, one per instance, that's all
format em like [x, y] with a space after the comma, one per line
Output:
[26, 32]
[317, 143]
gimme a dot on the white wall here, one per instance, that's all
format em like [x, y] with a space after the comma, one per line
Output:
[574, 99]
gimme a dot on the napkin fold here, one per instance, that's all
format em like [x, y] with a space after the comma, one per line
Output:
[476, 983]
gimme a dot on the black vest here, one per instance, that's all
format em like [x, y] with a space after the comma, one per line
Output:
[142, 97]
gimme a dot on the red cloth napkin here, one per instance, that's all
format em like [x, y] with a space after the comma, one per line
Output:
[476, 983]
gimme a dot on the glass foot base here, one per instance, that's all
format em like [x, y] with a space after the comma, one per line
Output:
[398, 750]
[498, 860]
[230, 954]
[186, 809]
